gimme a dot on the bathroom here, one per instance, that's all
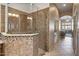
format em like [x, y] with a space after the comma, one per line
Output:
[21, 22]
[28, 29]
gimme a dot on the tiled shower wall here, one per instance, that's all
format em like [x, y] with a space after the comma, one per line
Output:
[40, 25]
[2, 18]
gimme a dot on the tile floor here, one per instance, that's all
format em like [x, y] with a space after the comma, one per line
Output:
[63, 47]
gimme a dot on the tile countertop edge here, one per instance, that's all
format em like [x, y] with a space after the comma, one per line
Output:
[33, 34]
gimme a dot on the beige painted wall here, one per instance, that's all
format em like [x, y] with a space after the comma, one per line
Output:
[53, 26]
[76, 29]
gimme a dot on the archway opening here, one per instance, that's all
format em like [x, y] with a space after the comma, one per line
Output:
[66, 23]
[66, 34]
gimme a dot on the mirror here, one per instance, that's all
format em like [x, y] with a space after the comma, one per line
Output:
[19, 18]
[13, 23]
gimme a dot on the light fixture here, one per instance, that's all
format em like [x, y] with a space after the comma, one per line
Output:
[29, 18]
[64, 5]
[14, 15]
[17, 15]
[9, 14]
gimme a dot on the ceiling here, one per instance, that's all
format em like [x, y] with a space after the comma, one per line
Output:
[32, 7]
[29, 7]
[66, 18]
[64, 8]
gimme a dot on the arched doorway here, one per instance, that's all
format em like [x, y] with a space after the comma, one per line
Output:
[63, 46]
[65, 43]
[66, 23]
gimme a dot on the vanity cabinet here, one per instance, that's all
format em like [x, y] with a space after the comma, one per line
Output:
[21, 44]
[1, 49]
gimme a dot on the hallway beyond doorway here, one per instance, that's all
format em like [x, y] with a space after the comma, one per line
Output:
[63, 47]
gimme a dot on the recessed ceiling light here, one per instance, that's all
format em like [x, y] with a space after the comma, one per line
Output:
[13, 14]
[64, 5]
